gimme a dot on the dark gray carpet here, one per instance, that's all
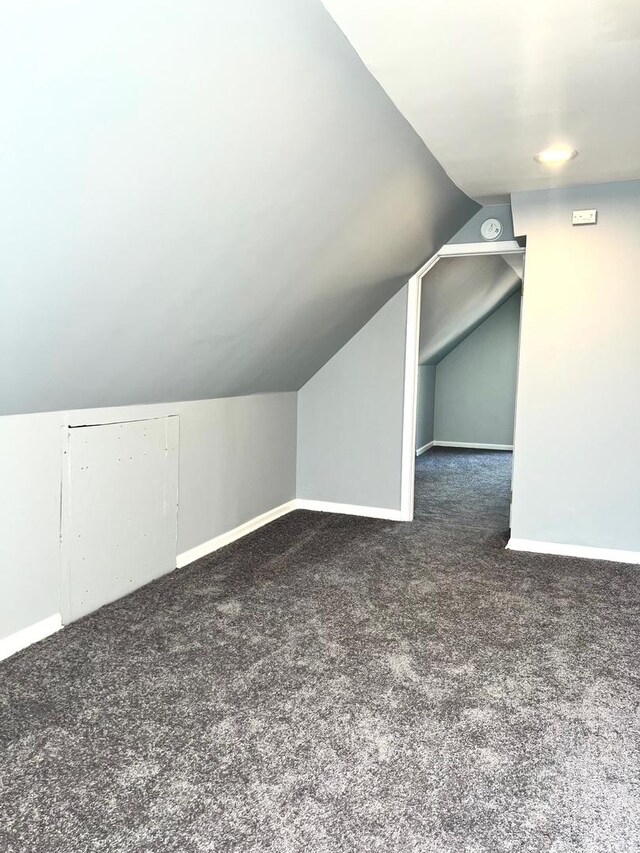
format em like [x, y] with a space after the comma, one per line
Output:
[464, 488]
[340, 684]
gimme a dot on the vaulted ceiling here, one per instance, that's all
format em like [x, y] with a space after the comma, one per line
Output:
[199, 199]
[457, 295]
[488, 85]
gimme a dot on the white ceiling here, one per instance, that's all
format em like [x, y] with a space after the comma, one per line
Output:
[489, 84]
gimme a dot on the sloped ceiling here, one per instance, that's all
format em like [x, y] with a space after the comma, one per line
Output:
[457, 295]
[516, 262]
[488, 85]
[199, 199]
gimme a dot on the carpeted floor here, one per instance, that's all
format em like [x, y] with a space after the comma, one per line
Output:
[340, 684]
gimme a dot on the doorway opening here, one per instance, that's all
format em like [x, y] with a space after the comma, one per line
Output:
[465, 361]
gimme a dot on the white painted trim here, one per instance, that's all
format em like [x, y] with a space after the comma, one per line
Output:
[34, 633]
[472, 445]
[504, 247]
[460, 250]
[64, 595]
[410, 403]
[587, 552]
[424, 448]
[412, 343]
[267, 517]
[29, 635]
[232, 535]
[350, 509]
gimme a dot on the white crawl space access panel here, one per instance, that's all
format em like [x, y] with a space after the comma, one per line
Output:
[119, 510]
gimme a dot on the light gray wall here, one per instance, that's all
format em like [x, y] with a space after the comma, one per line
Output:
[475, 393]
[577, 466]
[470, 231]
[199, 200]
[350, 417]
[425, 405]
[238, 456]
[457, 295]
[237, 460]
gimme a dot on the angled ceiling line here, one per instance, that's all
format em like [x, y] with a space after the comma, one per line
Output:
[470, 78]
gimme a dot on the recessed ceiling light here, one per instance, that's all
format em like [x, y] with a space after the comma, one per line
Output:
[555, 156]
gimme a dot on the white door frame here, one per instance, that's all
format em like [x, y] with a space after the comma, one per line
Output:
[410, 408]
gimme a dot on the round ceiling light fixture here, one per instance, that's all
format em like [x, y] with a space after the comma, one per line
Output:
[556, 156]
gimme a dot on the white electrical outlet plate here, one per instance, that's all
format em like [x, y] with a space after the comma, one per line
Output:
[585, 217]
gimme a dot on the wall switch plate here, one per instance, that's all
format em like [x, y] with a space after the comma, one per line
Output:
[585, 217]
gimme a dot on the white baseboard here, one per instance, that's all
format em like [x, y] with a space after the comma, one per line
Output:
[350, 509]
[585, 551]
[231, 535]
[260, 520]
[27, 636]
[473, 446]
[424, 448]
[33, 633]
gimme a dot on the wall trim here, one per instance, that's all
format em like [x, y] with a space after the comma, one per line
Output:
[29, 635]
[267, 517]
[424, 448]
[473, 445]
[351, 509]
[503, 247]
[40, 630]
[410, 407]
[410, 399]
[230, 536]
[587, 552]
[259, 521]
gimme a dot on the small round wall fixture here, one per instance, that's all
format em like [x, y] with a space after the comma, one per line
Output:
[491, 229]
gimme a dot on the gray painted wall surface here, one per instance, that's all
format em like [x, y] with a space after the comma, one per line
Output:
[238, 456]
[237, 460]
[457, 295]
[199, 200]
[470, 231]
[577, 466]
[350, 417]
[475, 389]
[425, 404]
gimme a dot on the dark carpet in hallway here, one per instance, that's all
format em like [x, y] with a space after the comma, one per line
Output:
[340, 684]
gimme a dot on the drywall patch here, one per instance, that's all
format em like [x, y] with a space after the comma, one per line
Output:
[119, 510]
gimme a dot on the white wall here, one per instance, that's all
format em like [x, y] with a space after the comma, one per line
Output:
[475, 388]
[577, 466]
[237, 460]
[350, 417]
